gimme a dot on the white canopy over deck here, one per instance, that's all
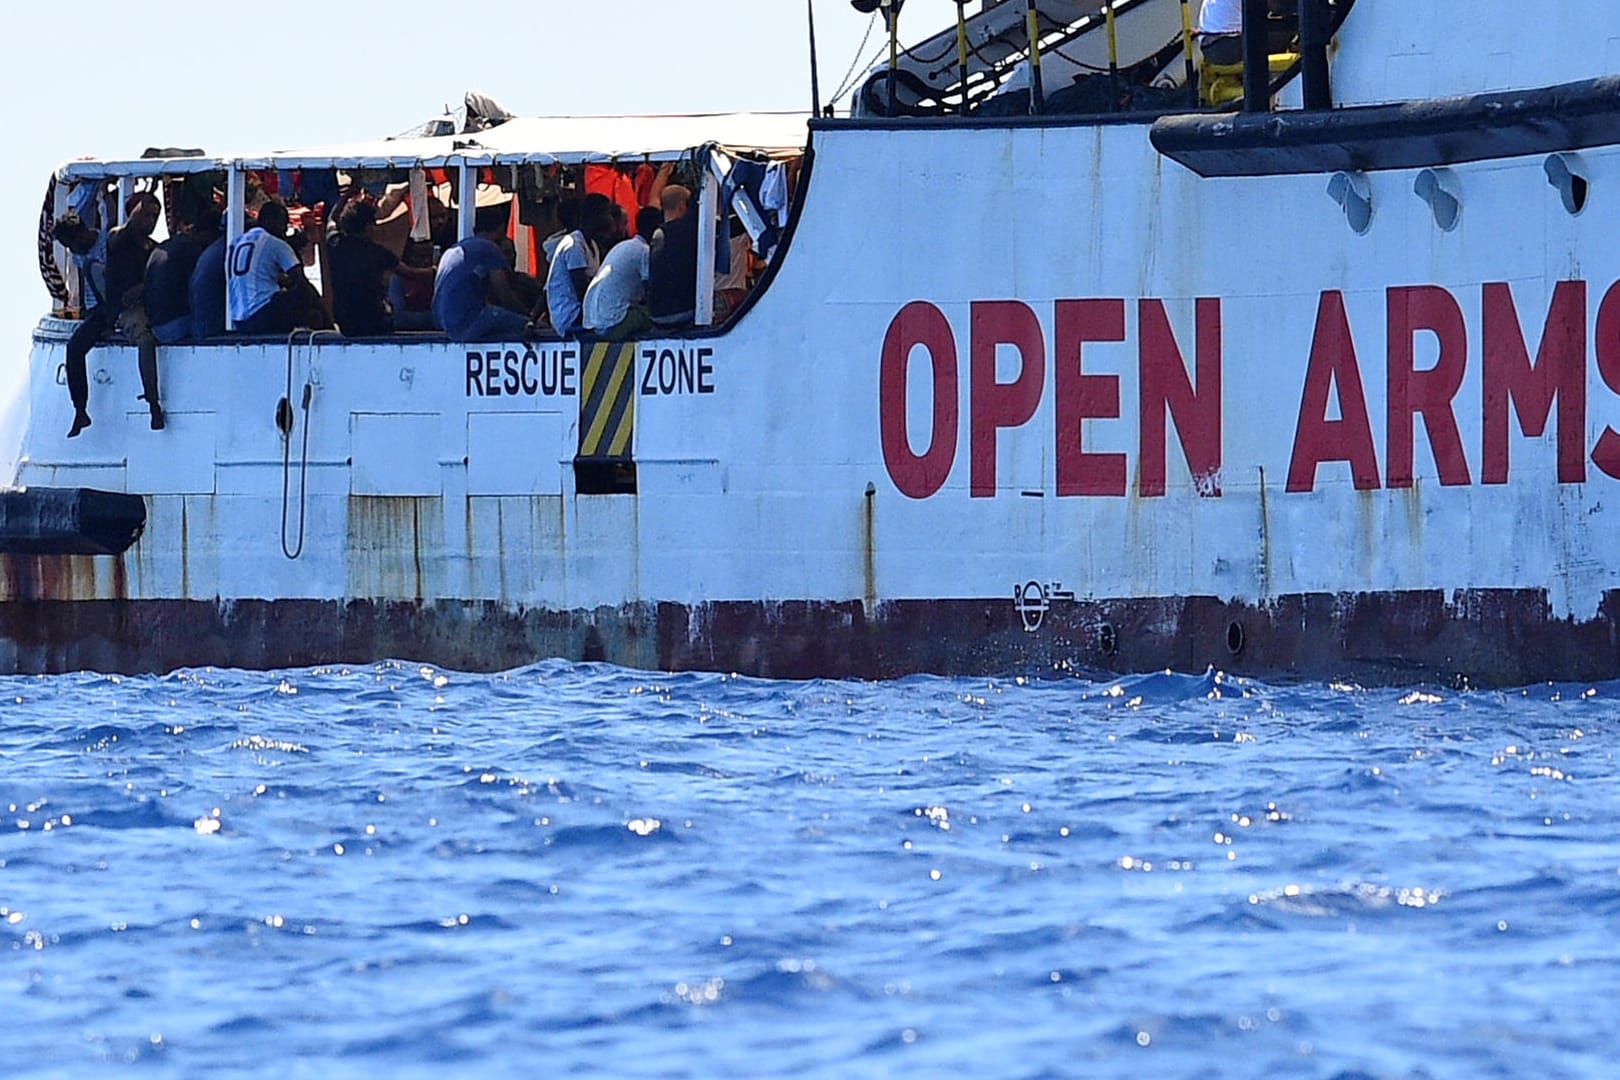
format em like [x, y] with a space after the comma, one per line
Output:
[542, 140]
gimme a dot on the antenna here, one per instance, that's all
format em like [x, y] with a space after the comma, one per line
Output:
[815, 76]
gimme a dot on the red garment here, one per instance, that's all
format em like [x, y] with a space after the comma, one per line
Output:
[609, 181]
[646, 176]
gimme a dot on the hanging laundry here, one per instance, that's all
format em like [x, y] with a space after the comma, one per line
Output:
[773, 192]
[646, 180]
[608, 180]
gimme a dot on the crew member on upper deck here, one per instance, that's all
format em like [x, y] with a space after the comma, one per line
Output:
[1220, 31]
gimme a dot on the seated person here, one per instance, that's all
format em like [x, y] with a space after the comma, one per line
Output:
[473, 298]
[361, 269]
[169, 270]
[265, 287]
[527, 289]
[1220, 32]
[1220, 29]
[112, 266]
[569, 211]
[207, 291]
[613, 301]
[410, 294]
[731, 288]
[672, 269]
[575, 262]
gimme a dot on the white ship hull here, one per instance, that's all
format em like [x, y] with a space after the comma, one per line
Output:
[1017, 396]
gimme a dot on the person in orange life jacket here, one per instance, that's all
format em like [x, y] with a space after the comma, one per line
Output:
[112, 273]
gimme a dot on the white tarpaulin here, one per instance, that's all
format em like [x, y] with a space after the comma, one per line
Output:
[569, 140]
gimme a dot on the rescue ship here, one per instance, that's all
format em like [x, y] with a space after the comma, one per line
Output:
[1068, 352]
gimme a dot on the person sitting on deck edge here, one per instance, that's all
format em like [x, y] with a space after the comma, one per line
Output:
[112, 266]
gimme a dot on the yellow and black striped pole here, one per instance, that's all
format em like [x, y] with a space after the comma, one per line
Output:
[1187, 45]
[1032, 28]
[1113, 53]
[891, 12]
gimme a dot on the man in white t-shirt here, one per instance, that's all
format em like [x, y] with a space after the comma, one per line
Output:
[575, 262]
[261, 270]
[614, 302]
[1220, 31]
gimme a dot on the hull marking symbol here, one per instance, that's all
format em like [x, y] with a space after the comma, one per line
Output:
[1032, 600]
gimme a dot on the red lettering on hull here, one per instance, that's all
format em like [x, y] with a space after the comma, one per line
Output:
[1082, 397]
[918, 476]
[1427, 393]
[1164, 389]
[1558, 373]
[998, 405]
[1333, 423]
[1349, 438]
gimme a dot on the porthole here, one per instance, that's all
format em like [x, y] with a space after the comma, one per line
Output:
[1567, 174]
[1439, 188]
[1354, 194]
[1108, 639]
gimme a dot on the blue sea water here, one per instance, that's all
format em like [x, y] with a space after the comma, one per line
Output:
[581, 870]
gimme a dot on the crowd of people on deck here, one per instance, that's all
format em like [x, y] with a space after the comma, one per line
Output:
[603, 271]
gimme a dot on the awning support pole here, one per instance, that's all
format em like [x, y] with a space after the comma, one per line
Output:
[235, 211]
[466, 199]
[708, 213]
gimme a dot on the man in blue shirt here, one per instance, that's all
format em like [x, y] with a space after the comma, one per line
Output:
[473, 298]
[207, 288]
